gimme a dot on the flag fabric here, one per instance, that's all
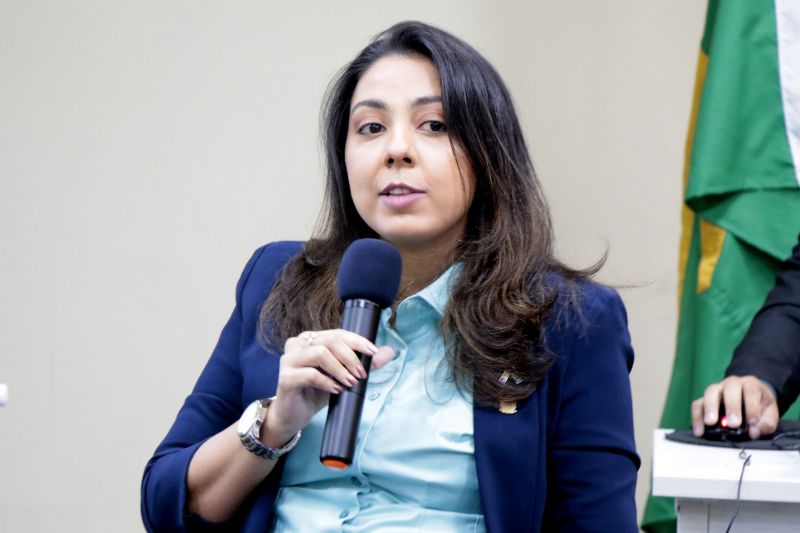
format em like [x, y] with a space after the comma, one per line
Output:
[741, 212]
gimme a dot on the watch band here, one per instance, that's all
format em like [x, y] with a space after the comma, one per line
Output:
[254, 416]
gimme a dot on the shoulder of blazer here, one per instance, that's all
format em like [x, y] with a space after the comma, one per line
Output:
[257, 280]
[579, 307]
[262, 270]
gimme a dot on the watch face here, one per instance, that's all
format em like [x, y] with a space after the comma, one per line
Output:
[248, 419]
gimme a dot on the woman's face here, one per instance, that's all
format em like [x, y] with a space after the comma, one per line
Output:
[403, 174]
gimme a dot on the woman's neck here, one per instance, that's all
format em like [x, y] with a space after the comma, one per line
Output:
[420, 269]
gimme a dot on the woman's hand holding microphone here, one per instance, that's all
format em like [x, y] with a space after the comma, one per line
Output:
[314, 365]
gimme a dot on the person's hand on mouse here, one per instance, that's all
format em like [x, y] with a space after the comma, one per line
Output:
[760, 405]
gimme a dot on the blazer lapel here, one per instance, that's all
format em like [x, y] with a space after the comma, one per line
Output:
[510, 455]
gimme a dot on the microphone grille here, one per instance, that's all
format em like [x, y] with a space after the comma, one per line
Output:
[370, 270]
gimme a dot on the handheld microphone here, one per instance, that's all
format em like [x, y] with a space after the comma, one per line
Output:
[369, 277]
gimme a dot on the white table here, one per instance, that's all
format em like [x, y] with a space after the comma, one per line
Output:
[703, 480]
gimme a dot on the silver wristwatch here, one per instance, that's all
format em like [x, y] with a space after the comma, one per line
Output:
[249, 429]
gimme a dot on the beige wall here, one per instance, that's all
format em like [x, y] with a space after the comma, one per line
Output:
[146, 148]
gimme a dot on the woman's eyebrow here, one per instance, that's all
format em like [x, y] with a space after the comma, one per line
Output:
[376, 104]
[380, 105]
[424, 100]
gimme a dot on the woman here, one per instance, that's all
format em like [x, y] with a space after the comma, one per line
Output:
[499, 398]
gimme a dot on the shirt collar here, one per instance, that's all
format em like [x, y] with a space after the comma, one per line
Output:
[437, 294]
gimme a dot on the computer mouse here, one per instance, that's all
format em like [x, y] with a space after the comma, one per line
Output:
[722, 432]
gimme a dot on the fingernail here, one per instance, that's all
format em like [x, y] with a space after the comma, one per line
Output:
[352, 379]
[755, 433]
[710, 418]
[362, 372]
[734, 420]
[371, 349]
[338, 388]
[698, 430]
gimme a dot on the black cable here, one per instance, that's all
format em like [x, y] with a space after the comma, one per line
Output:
[739, 488]
[792, 436]
[794, 444]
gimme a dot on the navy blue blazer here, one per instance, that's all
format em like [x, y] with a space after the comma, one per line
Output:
[565, 461]
[770, 349]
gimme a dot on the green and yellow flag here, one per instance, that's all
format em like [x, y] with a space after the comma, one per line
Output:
[741, 214]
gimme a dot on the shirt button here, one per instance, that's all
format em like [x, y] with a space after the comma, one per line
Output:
[374, 395]
[344, 514]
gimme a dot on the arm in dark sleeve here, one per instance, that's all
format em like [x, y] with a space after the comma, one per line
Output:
[213, 405]
[771, 348]
[593, 460]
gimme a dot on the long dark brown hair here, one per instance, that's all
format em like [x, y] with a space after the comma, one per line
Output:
[497, 309]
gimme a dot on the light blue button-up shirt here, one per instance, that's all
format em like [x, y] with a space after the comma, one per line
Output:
[414, 464]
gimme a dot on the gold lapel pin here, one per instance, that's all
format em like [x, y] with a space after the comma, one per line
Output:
[508, 408]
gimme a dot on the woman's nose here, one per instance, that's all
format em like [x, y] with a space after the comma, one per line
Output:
[399, 150]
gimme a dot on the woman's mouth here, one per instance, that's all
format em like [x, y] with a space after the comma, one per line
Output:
[394, 189]
[399, 196]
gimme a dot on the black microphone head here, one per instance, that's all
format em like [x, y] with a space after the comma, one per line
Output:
[370, 270]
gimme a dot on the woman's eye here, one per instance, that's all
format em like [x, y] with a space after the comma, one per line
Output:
[435, 126]
[371, 128]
